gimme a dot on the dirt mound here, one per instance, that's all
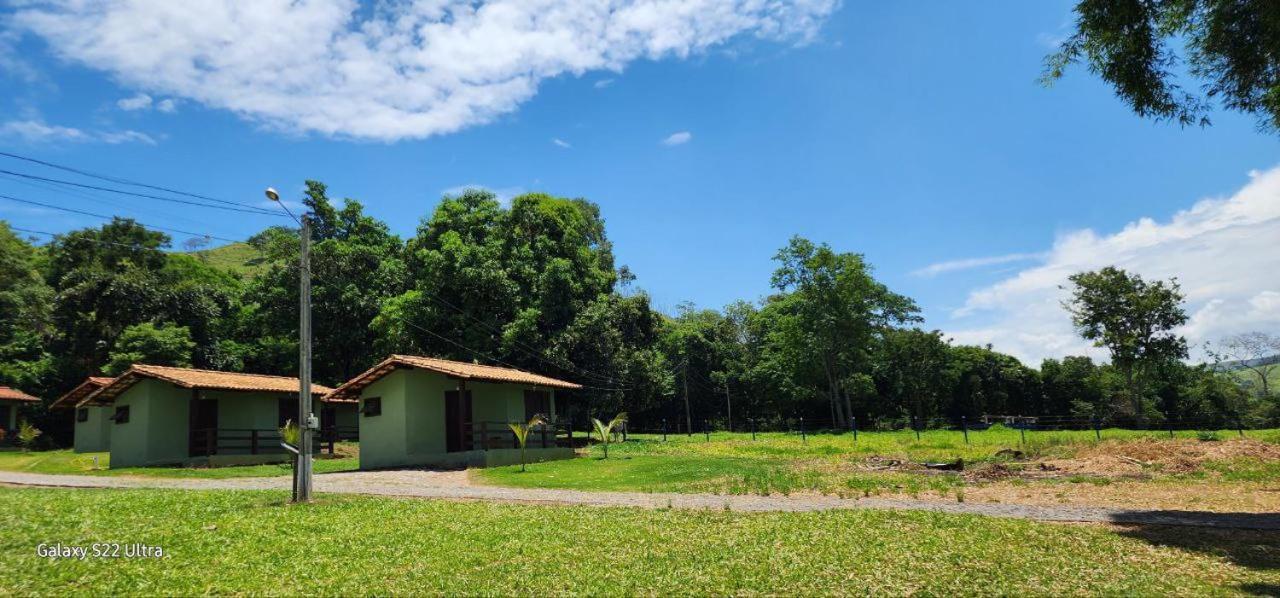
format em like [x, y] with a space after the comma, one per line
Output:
[1148, 455]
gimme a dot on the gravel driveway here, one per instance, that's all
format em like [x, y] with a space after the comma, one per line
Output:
[453, 485]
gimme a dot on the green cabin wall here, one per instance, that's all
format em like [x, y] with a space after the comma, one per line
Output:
[94, 434]
[157, 431]
[411, 428]
[159, 427]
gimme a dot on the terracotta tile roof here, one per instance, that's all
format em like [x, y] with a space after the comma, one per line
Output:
[82, 390]
[201, 379]
[13, 394]
[350, 390]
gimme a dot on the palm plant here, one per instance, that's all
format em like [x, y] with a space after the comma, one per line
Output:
[522, 433]
[289, 433]
[605, 430]
[27, 435]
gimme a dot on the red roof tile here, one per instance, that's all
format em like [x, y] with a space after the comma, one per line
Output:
[13, 394]
[201, 379]
[350, 390]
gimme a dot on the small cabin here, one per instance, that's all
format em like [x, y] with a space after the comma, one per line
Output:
[423, 411]
[10, 400]
[92, 427]
[182, 416]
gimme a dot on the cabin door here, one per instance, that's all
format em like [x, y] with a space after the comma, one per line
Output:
[204, 427]
[457, 421]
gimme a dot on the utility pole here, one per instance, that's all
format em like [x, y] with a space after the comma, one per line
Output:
[305, 417]
[688, 415]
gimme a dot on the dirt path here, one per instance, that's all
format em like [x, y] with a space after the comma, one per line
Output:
[454, 486]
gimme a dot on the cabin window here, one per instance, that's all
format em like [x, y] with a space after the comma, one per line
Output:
[372, 406]
[122, 414]
[82, 415]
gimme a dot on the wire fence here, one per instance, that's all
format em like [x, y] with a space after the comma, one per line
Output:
[1025, 425]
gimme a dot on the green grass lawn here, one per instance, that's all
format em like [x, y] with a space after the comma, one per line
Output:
[779, 463]
[69, 462]
[220, 542]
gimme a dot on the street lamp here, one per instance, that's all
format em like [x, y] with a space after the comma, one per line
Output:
[306, 419]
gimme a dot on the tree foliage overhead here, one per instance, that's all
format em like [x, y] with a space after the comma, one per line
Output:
[1231, 48]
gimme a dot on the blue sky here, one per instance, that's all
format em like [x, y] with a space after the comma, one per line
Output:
[914, 133]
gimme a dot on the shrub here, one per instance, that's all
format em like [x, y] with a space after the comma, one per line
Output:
[1208, 436]
[27, 435]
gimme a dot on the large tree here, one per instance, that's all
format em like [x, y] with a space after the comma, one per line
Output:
[839, 311]
[25, 302]
[1133, 319]
[1230, 48]
[356, 265]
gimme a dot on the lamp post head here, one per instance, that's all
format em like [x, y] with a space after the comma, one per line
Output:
[272, 195]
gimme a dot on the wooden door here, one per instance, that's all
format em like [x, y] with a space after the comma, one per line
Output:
[204, 417]
[457, 421]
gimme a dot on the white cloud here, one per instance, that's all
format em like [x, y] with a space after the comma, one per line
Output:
[1222, 250]
[167, 105]
[679, 138]
[37, 131]
[603, 83]
[403, 69]
[560, 142]
[141, 101]
[977, 262]
[34, 131]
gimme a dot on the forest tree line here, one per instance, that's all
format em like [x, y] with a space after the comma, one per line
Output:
[534, 285]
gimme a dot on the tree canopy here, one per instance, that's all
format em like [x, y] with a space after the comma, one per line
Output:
[1230, 48]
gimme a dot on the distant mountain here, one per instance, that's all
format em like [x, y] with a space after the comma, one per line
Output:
[241, 258]
[1235, 365]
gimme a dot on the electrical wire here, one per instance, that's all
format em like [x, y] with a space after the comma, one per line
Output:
[96, 241]
[529, 350]
[105, 217]
[253, 210]
[122, 181]
[492, 358]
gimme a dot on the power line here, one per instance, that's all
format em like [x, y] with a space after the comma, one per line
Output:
[249, 210]
[490, 357]
[94, 198]
[97, 241]
[529, 350]
[103, 216]
[123, 181]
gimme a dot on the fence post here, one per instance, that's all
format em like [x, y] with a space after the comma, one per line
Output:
[753, 428]
[664, 429]
[544, 435]
[210, 441]
[253, 442]
[854, 421]
[706, 434]
[484, 435]
[1097, 428]
[803, 438]
[964, 425]
[1169, 424]
[333, 440]
[1239, 426]
[1023, 430]
[915, 425]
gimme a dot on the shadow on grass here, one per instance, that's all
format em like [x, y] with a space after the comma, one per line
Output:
[1252, 548]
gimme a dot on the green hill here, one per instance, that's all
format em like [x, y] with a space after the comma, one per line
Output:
[240, 258]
